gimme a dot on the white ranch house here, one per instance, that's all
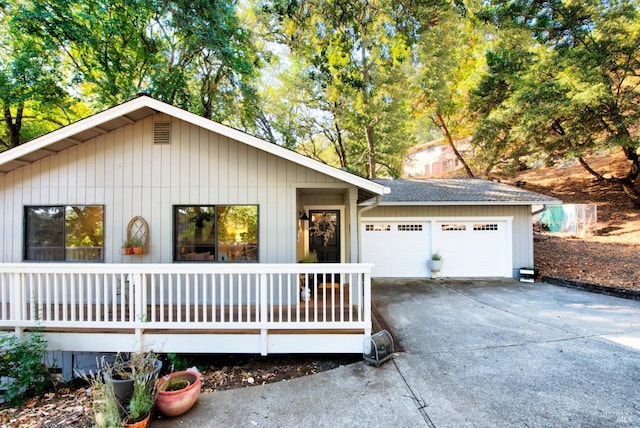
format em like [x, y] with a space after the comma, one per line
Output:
[222, 218]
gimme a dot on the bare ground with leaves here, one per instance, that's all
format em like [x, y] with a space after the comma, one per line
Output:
[611, 257]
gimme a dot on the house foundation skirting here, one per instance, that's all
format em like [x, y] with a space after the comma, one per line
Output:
[250, 342]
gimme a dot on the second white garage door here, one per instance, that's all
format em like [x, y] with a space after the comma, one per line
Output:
[470, 248]
[477, 248]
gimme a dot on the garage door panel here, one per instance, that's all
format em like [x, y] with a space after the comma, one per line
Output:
[397, 249]
[472, 249]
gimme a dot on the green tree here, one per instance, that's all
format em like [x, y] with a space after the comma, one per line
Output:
[450, 52]
[580, 92]
[108, 45]
[209, 60]
[494, 111]
[352, 54]
[31, 84]
[195, 54]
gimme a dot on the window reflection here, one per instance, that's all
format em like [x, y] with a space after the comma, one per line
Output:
[64, 233]
[216, 233]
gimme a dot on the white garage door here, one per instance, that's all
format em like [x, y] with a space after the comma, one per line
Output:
[397, 249]
[470, 248]
[473, 248]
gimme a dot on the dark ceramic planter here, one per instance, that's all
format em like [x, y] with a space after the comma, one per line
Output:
[123, 388]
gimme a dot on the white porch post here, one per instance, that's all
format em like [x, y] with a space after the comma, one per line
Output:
[139, 309]
[264, 341]
[353, 225]
[367, 303]
[18, 303]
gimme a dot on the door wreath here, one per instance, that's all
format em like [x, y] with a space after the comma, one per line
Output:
[324, 227]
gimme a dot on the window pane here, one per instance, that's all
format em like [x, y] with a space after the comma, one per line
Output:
[44, 233]
[216, 233]
[195, 233]
[238, 232]
[84, 239]
[64, 233]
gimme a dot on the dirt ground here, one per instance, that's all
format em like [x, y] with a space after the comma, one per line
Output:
[610, 257]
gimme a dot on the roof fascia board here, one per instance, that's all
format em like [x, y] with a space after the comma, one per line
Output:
[68, 132]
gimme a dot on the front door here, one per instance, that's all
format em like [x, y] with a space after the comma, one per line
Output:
[324, 235]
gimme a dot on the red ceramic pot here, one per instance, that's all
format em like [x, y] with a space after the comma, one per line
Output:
[174, 403]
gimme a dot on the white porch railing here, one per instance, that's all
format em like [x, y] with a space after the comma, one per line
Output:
[207, 308]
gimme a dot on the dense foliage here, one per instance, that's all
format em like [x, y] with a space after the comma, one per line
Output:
[22, 361]
[350, 83]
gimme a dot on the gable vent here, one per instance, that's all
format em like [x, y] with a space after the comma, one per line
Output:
[162, 133]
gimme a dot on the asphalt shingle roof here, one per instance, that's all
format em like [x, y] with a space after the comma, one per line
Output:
[459, 191]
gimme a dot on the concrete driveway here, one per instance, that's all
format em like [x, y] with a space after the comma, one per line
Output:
[478, 353]
[503, 353]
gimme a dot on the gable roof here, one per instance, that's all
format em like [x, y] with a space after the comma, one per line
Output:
[143, 106]
[460, 191]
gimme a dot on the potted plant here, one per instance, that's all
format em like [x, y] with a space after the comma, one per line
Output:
[138, 410]
[435, 264]
[106, 409]
[310, 257]
[132, 408]
[127, 247]
[136, 243]
[177, 392]
[125, 371]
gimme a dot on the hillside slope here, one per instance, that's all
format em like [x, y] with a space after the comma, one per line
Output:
[612, 256]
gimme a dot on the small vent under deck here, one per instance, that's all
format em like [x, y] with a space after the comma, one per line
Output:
[162, 133]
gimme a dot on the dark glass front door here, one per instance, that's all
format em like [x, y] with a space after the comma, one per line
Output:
[324, 235]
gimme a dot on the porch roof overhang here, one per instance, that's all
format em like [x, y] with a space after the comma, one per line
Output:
[143, 106]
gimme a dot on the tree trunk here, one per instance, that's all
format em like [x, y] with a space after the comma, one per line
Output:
[339, 145]
[627, 183]
[368, 129]
[13, 125]
[208, 89]
[447, 135]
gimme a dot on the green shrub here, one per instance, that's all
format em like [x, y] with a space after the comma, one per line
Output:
[177, 362]
[22, 359]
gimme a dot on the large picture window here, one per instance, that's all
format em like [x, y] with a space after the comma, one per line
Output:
[216, 233]
[64, 233]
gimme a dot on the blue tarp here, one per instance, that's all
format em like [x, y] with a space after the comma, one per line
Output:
[552, 218]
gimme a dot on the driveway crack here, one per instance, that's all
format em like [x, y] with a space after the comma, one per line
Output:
[420, 403]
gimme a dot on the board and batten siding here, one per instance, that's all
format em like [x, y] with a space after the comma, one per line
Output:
[129, 175]
[521, 226]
